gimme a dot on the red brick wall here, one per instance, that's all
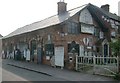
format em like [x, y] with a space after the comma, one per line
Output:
[56, 38]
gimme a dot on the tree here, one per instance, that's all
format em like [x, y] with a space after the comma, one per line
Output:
[115, 46]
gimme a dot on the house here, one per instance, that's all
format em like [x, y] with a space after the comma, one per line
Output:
[83, 31]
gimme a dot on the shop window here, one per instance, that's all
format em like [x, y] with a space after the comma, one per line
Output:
[49, 49]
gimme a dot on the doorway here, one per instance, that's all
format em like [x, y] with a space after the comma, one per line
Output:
[59, 56]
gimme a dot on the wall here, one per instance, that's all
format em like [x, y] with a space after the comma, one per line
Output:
[59, 36]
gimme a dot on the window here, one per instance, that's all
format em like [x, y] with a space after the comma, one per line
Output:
[113, 34]
[88, 41]
[90, 53]
[49, 37]
[85, 40]
[49, 49]
[73, 28]
[73, 47]
[101, 35]
[96, 32]
[114, 24]
[86, 53]
[97, 49]
[87, 29]
[81, 53]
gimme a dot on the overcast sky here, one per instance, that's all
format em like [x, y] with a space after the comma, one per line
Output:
[18, 13]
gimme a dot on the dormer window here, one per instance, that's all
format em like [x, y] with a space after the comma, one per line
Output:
[85, 17]
[114, 24]
[113, 33]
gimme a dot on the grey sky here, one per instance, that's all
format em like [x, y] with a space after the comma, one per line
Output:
[18, 13]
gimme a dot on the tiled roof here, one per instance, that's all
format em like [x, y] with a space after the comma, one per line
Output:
[110, 15]
[97, 13]
[53, 20]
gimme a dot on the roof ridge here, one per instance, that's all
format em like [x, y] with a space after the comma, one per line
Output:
[38, 21]
[106, 12]
[56, 16]
[77, 7]
[51, 16]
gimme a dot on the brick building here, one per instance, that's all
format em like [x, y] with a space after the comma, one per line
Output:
[83, 31]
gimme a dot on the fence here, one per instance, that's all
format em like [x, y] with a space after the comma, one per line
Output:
[98, 65]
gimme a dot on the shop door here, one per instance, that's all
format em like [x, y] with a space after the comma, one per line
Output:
[39, 54]
[59, 56]
[105, 51]
[33, 49]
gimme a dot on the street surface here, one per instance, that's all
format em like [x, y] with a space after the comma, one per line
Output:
[11, 73]
[0, 70]
[28, 71]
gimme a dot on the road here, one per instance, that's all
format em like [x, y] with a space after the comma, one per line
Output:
[24, 71]
[0, 70]
[11, 73]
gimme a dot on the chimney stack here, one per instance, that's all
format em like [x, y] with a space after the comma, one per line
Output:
[62, 7]
[105, 7]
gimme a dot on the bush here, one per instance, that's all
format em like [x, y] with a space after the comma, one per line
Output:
[117, 76]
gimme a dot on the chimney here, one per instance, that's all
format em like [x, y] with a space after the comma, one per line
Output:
[62, 7]
[105, 7]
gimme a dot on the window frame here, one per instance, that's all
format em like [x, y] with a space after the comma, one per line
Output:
[49, 51]
[87, 26]
[73, 27]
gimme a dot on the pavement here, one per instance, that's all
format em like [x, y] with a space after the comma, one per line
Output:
[68, 75]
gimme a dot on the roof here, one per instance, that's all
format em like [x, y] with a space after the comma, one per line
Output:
[1, 36]
[97, 14]
[53, 20]
[56, 19]
[109, 14]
